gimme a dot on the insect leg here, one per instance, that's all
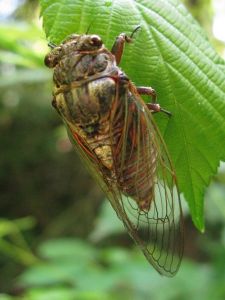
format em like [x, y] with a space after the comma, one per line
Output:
[118, 46]
[154, 107]
[143, 90]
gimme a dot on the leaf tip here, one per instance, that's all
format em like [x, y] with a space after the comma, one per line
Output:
[199, 223]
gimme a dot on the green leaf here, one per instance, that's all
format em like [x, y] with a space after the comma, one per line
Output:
[172, 54]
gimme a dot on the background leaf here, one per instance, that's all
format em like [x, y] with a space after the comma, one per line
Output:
[172, 54]
[19, 44]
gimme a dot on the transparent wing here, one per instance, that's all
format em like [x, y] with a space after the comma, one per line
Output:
[145, 174]
[142, 187]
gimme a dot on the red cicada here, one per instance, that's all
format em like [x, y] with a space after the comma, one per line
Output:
[113, 131]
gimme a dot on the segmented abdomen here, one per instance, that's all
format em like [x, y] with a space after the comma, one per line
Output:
[137, 178]
[136, 159]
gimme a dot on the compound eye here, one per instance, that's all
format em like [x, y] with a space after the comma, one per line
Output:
[47, 61]
[53, 58]
[50, 61]
[96, 41]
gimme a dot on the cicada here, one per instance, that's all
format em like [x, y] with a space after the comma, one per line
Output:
[115, 134]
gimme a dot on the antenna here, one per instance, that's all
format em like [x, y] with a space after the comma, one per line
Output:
[52, 45]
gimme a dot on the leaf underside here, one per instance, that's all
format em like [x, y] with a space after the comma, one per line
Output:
[171, 53]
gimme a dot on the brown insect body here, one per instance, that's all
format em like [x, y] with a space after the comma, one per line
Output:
[115, 135]
[89, 89]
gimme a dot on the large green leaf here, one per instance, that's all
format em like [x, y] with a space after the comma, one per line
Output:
[172, 54]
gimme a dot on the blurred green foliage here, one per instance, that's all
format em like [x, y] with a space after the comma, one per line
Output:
[202, 10]
[36, 178]
[12, 242]
[57, 240]
[74, 269]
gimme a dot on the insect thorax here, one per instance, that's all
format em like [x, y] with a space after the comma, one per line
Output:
[77, 67]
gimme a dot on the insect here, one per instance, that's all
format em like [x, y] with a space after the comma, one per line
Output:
[114, 132]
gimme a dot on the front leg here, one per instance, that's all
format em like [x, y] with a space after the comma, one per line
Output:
[154, 107]
[143, 90]
[118, 46]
